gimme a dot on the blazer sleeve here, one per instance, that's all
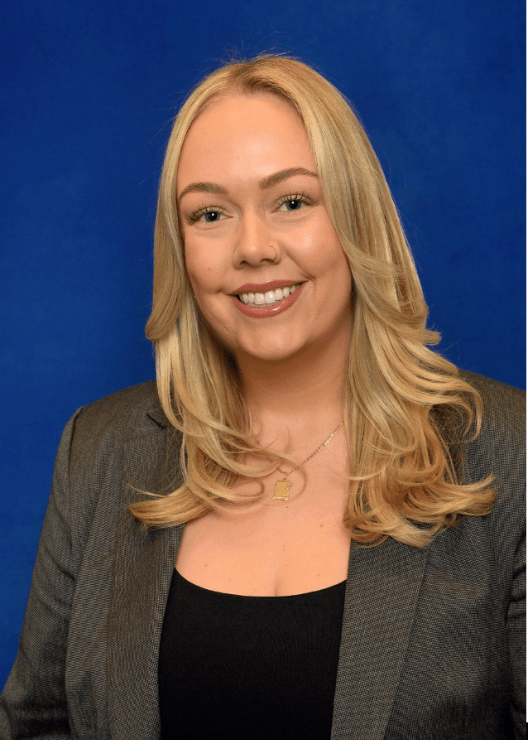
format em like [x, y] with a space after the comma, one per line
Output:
[516, 626]
[503, 451]
[33, 704]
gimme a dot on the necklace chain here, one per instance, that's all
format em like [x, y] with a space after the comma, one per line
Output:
[282, 487]
[327, 440]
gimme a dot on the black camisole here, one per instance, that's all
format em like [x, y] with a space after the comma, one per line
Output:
[248, 666]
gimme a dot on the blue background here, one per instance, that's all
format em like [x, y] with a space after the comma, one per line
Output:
[89, 91]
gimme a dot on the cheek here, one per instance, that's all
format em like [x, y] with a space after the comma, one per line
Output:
[203, 267]
[322, 251]
[205, 276]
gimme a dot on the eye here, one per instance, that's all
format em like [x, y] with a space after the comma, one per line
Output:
[291, 203]
[208, 215]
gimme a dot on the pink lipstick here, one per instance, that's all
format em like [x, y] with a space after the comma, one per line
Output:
[264, 311]
[264, 287]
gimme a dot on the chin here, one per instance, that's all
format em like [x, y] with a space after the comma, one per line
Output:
[272, 353]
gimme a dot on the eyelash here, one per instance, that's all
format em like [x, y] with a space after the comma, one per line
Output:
[299, 197]
[196, 215]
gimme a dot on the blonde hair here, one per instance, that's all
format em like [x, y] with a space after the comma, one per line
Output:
[411, 409]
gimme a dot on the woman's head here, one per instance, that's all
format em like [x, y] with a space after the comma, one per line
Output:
[264, 261]
[401, 397]
[357, 197]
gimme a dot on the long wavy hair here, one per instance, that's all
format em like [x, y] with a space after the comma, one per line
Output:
[411, 411]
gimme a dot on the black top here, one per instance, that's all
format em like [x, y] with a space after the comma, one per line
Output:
[248, 666]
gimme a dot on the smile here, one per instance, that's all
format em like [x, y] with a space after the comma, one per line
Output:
[269, 298]
[267, 304]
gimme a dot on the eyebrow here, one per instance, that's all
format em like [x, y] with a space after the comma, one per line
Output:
[271, 180]
[264, 184]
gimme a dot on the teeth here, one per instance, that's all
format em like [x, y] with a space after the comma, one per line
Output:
[268, 298]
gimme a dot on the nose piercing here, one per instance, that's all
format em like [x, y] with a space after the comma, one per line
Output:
[276, 255]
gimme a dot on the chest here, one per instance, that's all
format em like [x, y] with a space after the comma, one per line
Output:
[279, 549]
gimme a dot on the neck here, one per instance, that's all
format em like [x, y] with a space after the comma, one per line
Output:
[296, 396]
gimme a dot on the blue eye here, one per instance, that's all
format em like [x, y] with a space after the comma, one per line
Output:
[293, 205]
[211, 216]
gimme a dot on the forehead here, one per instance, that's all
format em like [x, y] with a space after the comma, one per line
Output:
[240, 135]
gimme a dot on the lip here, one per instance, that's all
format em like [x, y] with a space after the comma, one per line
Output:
[263, 287]
[264, 312]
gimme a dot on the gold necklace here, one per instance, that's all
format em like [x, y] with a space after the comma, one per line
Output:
[282, 487]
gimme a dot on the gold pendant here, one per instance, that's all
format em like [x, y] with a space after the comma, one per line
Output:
[282, 490]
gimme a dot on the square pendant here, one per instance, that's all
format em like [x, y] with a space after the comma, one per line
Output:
[282, 490]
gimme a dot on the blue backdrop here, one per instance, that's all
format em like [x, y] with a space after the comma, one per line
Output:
[89, 92]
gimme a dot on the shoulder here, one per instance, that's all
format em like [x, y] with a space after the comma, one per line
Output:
[504, 405]
[99, 448]
[499, 450]
[502, 439]
[97, 434]
[130, 411]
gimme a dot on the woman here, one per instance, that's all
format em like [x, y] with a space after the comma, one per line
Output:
[326, 531]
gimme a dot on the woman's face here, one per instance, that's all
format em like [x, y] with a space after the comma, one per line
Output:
[263, 258]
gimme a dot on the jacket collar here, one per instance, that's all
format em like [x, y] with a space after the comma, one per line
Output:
[156, 413]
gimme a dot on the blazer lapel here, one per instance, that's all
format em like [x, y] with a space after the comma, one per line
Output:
[142, 576]
[382, 590]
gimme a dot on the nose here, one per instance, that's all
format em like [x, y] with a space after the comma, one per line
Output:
[254, 244]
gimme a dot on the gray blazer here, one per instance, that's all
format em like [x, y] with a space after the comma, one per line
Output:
[431, 645]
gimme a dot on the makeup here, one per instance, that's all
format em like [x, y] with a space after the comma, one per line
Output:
[255, 294]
